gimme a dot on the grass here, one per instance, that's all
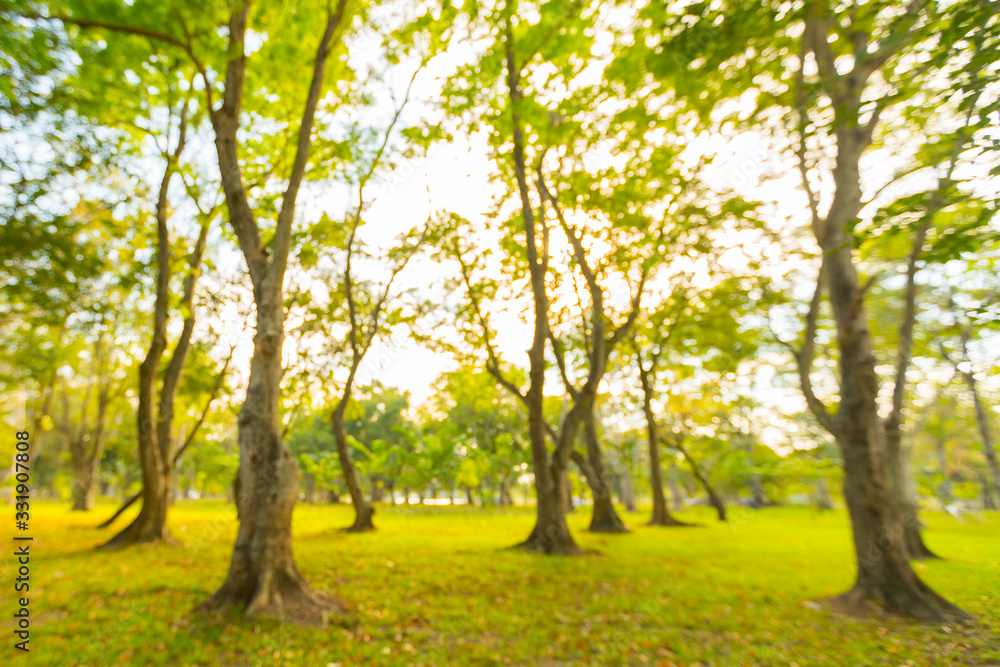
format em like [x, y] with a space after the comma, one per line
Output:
[434, 587]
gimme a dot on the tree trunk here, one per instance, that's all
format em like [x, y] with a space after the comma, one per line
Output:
[376, 486]
[627, 492]
[897, 462]
[823, 499]
[262, 575]
[131, 500]
[944, 488]
[984, 485]
[363, 510]
[713, 498]
[84, 478]
[505, 498]
[156, 444]
[85, 460]
[990, 491]
[661, 513]
[673, 482]
[884, 573]
[570, 507]
[551, 534]
[716, 502]
[151, 525]
[897, 456]
[604, 519]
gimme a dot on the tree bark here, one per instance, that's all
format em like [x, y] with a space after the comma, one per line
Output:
[550, 534]
[627, 492]
[661, 513]
[823, 499]
[904, 496]
[570, 508]
[263, 576]
[505, 498]
[897, 455]
[984, 486]
[884, 573]
[84, 477]
[131, 500]
[675, 487]
[363, 510]
[990, 490]
[376, 486]
[757, 496]
[86, 443]
[714, 499]
[155, 425]
[605, 518]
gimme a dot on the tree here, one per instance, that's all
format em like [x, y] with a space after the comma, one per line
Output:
[691, 329]
[90, 413]
[964, 366]
[554, 131]
[262, 576]
[600, 339]
[155, 412]
[166, 462]
[884, 574]
[311, 438]
[486, 422]
[497, 83]
[380, 427]
[849, 58]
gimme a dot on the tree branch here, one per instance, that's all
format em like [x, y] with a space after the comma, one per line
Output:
[898, 38]
[208, 404]
[286, 215]
[493, 362]
[804, 358]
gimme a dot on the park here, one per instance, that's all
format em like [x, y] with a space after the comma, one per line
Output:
[448, 332]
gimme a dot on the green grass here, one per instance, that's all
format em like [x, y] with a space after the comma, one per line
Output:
[434, 587]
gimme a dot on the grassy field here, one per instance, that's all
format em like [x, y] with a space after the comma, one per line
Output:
[434, 587]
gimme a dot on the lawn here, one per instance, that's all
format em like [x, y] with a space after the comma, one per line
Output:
[436, 587]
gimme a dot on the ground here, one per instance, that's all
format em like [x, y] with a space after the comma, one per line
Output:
[436, 587]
